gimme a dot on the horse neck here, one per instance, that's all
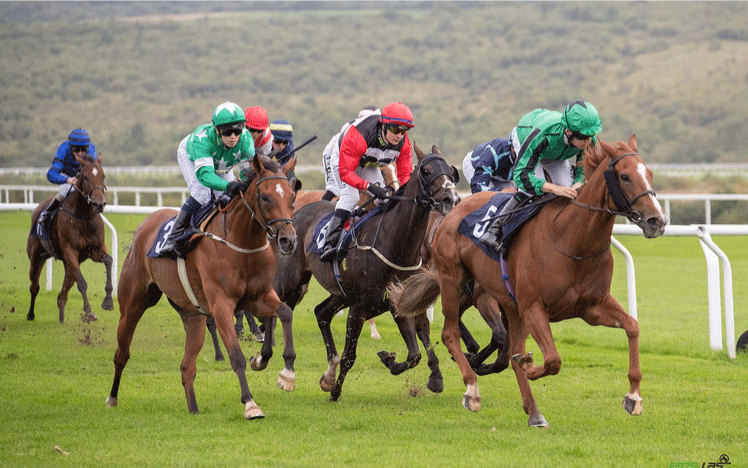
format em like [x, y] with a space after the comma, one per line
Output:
[79, 204]
[239, 226]
[584, 229]
[405, 224]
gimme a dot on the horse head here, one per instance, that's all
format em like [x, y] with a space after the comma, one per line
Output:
[270, 199]
[437, 180]
[91, 182]
[629, 184]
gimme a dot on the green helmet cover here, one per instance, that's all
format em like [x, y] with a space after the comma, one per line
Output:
[582, 117]
[228, 113]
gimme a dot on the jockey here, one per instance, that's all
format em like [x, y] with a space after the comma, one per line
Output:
[65, 167]
[282, 132]
[545, 141]
[206, 157]
[489, 166]
[368, 143]
[332, 189]
[259, 127]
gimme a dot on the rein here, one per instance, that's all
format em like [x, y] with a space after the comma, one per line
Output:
[272, 234]
[425, 199]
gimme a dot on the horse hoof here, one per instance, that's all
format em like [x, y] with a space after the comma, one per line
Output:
[252, 411]
[633, 404]
[471, 403]
[219, 357]
[435, 385]
[257, 364]
[325, 384]
[30, 316]
[537, 420]
[111, 402]
[287, 380]
[108, 304]
[387, 358]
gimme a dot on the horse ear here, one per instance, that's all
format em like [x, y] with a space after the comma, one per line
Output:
[290, 165]
[633, 143]
[258, 166]
[98, 158]
[80, 160]
[296, 185]
[455, 174]
[435, 150]
[419, 154]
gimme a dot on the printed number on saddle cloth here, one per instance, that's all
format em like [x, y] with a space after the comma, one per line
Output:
[480, 228]
[165, 235]
[320, 239]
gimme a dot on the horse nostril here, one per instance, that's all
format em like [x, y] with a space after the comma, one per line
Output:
[447, 201]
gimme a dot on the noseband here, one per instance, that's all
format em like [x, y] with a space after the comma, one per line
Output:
[622, 202]
[425, 196]
[85, 195]
[268, 224]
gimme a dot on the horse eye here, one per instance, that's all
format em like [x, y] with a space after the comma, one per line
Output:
[625, 177]
[264, 198]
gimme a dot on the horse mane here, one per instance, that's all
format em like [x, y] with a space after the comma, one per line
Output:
[249, 173]
[594, 155]
[89, 159]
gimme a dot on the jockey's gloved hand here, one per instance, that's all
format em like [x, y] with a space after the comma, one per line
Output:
[377, 191]
[233, 188]
[223, 200]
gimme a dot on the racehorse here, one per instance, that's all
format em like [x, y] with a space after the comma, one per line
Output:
[386, 247]
[303, 198]
[559, 266]
[76, 233]
[232, 270]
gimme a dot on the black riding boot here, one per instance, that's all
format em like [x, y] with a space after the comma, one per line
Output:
[332, 237]
[180, 226]
[53, 205]
[491, 236]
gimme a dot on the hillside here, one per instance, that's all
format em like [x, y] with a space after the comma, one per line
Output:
[140, 76]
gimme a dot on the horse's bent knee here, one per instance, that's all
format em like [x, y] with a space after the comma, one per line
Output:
[553, 366]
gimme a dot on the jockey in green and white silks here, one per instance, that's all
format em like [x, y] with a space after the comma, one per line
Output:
[545, 141]
[206, 157]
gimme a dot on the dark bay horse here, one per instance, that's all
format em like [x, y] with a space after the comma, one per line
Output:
[232, 270]
[76, 234]
[560, 266]
[387, 247]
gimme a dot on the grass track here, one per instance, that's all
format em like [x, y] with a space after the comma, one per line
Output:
[53, 385]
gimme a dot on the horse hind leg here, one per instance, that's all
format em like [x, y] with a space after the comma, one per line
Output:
[108, 303]
[133, 303]
[353, 333]
[194, 328]
[407, 327]
[423, 329]
[324, 313]
[211, 324]
[35, 271]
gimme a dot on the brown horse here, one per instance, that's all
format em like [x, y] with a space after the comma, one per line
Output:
[76, 234]
[560, 266]
[232, 270]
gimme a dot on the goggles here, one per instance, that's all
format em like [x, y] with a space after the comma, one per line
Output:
[397, 129]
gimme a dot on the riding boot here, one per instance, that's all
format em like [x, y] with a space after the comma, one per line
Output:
[43, 221]
[180, 226]
[492, 236]
[333, 236]
[328, 195]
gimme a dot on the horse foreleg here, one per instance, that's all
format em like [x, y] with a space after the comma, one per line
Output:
[67, 283]
[353, 332]
[611, 314]
[491, 313]
[407, 328]
[287, 377]
[423, 329]
[194, 328]
[223, 312]
[324, 313]
[520, 362]
[107, 303]
[539, 327]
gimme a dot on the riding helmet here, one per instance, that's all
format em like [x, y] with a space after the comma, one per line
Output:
[397, 113]
[228, 113]
[257, 118]
[79, 137]
[582, 117]
[281, 130]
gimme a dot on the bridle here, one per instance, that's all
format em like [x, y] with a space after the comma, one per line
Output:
[267, 225]
[85, 195]
[623, 204]
[425, 197]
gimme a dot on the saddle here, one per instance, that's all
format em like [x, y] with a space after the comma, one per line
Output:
[42, 231]
[350, 228]
[183, 245]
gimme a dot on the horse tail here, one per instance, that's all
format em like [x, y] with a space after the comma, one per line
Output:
[412, 296]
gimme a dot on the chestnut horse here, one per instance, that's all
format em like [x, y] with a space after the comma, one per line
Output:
[386, 247]
[559, 266]
[76, 234]
[232, 270]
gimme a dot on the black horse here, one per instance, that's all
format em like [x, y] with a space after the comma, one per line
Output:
[385, 248]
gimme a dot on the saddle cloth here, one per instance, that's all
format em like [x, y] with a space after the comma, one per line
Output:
[182, 245]
[350, 227]
[474, 225]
